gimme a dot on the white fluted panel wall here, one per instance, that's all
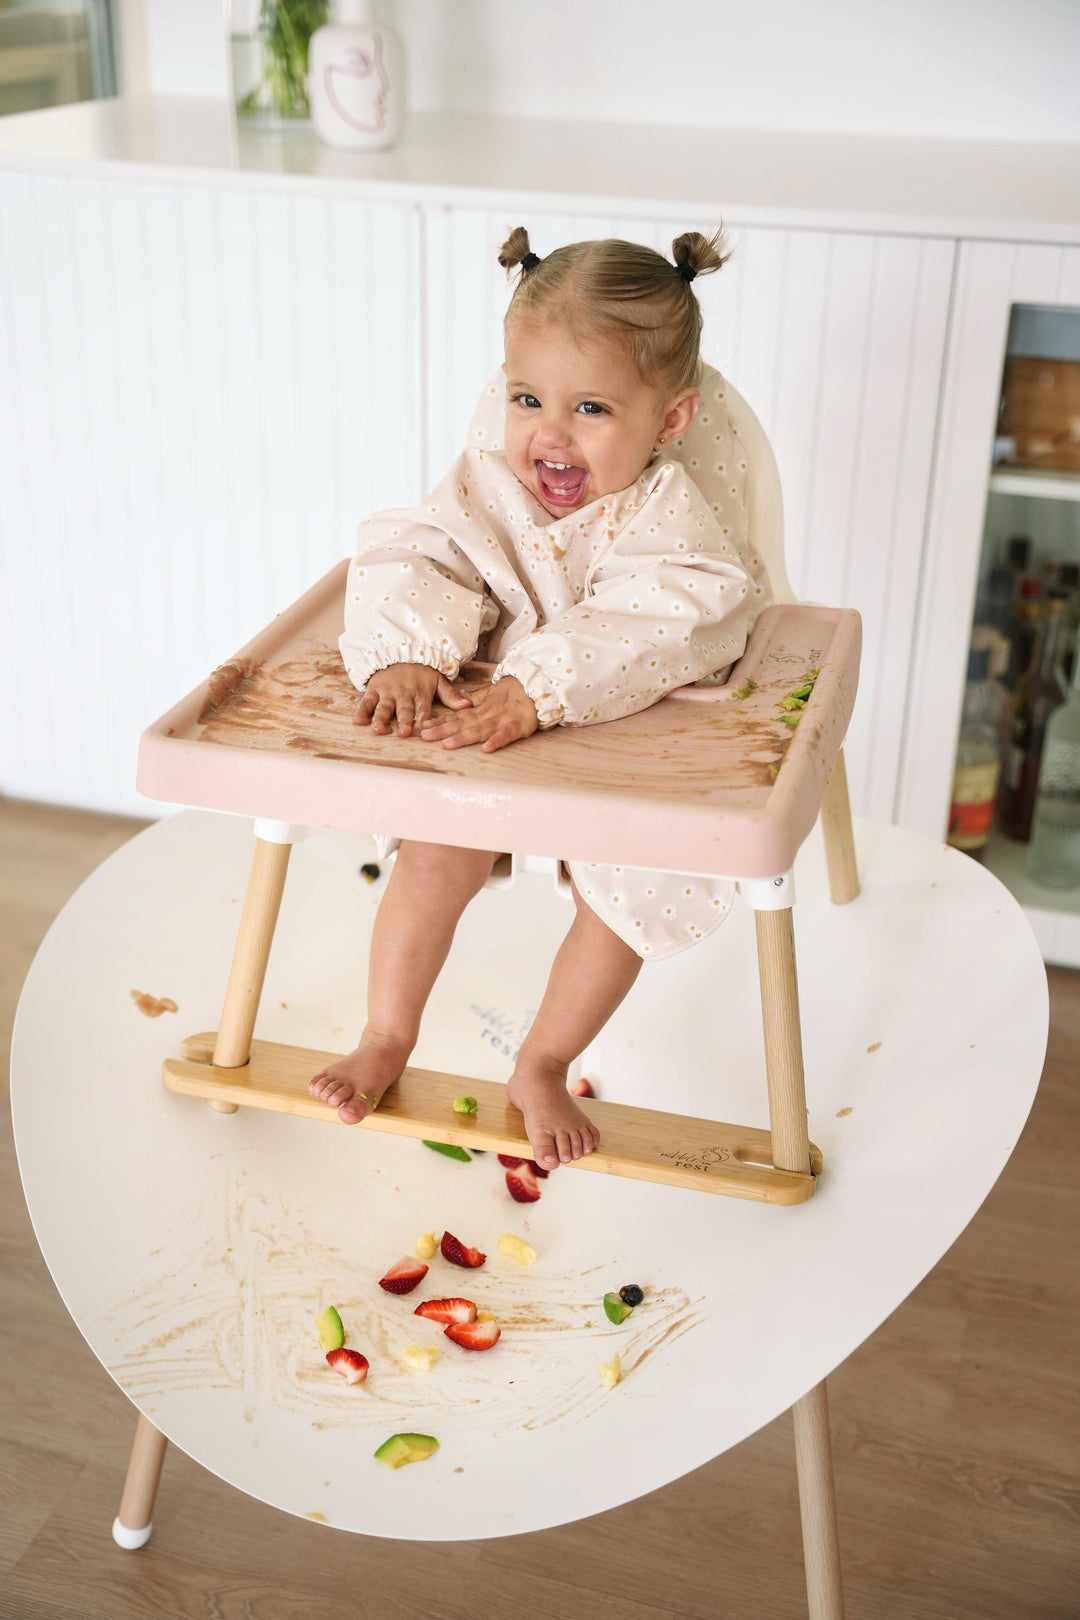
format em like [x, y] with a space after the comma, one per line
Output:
[201, 391]
[837, 341]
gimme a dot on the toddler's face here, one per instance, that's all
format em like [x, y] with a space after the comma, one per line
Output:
[580, 423]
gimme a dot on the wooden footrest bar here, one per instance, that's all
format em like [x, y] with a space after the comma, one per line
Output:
[641, 1143]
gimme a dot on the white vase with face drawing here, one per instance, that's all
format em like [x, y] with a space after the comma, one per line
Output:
[356, 79]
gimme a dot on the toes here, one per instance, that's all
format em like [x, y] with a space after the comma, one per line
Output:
[545, 1152]
[562, 1142]
[353, 1110]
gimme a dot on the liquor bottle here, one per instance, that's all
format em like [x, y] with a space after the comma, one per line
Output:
[1018, 554]
[1039, 691]
[978, 761]
[1027, 613]
[1069, 581]
[1053, 857]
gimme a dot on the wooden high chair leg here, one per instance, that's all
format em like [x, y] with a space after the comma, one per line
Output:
[273, 845]
[839, 841]
[133, 1523]
[791, 1151]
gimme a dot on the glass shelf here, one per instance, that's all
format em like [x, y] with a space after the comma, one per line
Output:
[1036, 482]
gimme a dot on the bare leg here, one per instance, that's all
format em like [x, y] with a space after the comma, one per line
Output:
[590, 976]
[429, 888]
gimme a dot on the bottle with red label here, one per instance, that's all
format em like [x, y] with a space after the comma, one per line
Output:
[978, 760]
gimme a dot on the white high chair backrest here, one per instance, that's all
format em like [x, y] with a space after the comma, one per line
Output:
[764, 501]
[697, 449]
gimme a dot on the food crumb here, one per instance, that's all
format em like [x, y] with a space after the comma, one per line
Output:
[610, 1371]
[420, 1358]
[151, 1005]
[320, 1518]
[425, 1246]
[876, 1047]
[459, 1470]
[588, 1324]
[840, 1112]
[285, 1004]
[515, 1248]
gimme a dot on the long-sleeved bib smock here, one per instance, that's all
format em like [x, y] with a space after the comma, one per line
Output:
[598, 614]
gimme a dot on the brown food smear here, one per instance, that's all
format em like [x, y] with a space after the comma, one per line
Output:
[151, 1005]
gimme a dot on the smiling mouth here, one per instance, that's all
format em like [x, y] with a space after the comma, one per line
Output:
[561, 484]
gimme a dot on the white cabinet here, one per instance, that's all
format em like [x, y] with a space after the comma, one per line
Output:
[202, 392]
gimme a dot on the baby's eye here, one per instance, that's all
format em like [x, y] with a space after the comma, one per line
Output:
[530, 401]
[591, 408]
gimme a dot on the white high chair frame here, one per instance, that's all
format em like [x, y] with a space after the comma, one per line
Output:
[180, 759]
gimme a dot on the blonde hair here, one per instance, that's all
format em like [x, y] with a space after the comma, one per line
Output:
[624, 291]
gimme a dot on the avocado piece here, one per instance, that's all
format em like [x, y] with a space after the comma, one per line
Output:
[406, 1448]
[464, 1105]
[449, 1149]
[331, 1332]
[616, 1309]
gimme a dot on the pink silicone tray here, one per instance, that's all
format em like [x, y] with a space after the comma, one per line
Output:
[709, 780]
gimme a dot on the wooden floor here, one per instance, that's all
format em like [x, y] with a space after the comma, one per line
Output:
[956, 1429]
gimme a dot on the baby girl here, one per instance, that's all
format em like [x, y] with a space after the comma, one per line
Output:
[595, 576]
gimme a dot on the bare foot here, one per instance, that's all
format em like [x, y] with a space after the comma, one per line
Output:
[557, 1129]
[354, 1084]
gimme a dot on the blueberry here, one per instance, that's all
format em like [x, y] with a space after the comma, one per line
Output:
[631, 1294]
[370, 871]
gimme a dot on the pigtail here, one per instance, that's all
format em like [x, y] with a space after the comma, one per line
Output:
[697, 255]
[515, 250]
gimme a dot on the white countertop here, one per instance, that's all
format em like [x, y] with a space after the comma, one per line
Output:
[1024, 192]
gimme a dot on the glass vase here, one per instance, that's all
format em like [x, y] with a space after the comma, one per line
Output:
[269, 48]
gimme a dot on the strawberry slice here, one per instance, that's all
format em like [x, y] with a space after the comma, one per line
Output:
[581, 1088]
[474, 1335]
[521, 1185]
[447, 1310]
[352, 1366]
[509, 1163]
[458, 1255]
[537, 1170]
[403, 1277]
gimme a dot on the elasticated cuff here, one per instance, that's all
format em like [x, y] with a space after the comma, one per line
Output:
[381, 654]
[537, 683]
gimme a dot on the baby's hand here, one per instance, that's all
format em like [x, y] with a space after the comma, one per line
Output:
[500, 715]
[407, 690]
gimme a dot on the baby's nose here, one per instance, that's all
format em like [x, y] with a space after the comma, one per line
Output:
[553, 433]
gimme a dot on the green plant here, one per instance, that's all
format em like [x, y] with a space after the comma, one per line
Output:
[286, 27]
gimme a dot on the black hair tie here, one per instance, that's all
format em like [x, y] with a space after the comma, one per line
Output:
[530, 261]
[686, 271]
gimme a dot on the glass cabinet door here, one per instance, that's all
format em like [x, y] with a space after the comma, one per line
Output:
[994, 694]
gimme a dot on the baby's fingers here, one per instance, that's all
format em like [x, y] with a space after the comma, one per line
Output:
[449, 697]
[384, 714]
[508, 733]
[366, 709]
